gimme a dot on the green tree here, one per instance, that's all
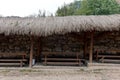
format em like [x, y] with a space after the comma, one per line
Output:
[89, 7]
[68, 9]
[98, 7]
[39, 14]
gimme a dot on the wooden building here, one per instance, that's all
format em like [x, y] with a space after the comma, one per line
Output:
[29, 35]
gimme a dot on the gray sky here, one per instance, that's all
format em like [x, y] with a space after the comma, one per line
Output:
[27, 7]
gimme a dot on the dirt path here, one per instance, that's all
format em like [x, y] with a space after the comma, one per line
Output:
[82, 73]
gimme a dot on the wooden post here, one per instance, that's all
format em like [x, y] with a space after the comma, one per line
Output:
[46, 59]
[97, 55]
[91, 47]
[31, 52]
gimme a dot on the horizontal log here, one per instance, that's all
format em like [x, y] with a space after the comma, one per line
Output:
[63, 59]
[108, 56]
[62, 63]
[110, 60]
[60, 52]
[12, 60]
[10, 64]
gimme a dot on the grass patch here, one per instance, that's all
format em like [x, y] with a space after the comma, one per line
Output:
[5, 71]
[80, 70]
[30, 70]
[98, 69]
[97, 72]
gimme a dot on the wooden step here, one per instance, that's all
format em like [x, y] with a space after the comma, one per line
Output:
[105, 64]
[10, 64]
[109, 60]
[11, 60]
[62, 59]
[109, 56]
[62, 63]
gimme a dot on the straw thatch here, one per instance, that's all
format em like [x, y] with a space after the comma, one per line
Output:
[58, 25]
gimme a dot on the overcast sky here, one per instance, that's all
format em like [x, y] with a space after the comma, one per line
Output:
[27, 7]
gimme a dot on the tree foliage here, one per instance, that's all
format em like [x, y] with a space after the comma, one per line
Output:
[68, 9]
[41, 14]
[89, 7]
[99, 7]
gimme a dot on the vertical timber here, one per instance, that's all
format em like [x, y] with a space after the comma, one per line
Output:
[31, 52]
[91, 47]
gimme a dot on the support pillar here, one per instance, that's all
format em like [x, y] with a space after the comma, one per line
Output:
[31, 52]
[91, 47]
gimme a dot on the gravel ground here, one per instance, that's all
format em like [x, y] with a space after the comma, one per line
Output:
[58, 73]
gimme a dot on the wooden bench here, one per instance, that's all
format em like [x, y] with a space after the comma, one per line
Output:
[13, 61]
[108, 57]
[61, 61]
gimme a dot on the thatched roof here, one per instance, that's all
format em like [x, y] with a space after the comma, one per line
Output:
[57, 25]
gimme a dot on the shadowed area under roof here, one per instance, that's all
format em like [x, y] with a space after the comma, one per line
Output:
[58, 25]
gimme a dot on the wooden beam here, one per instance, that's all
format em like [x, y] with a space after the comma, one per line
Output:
[31, 52]
[91, 47]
